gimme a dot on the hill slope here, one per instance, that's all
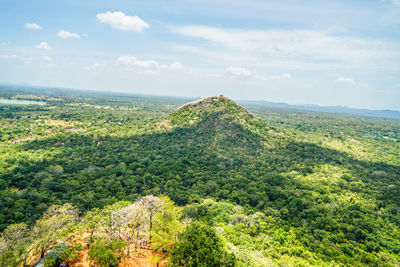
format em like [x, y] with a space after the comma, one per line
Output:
[223, 122]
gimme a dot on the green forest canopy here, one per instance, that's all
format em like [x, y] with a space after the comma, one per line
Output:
[326, 187]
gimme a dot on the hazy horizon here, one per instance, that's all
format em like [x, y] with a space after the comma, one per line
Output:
[191, 98]
[341, 53]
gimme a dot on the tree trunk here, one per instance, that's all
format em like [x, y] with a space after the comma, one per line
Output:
[26, 255]
[151, 227]
[42, 253]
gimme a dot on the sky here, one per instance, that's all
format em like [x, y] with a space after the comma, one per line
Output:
[298, 52]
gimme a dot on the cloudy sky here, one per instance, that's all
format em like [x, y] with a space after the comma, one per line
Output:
[300, 52]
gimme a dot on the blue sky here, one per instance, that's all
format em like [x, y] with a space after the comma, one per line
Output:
[298, 52]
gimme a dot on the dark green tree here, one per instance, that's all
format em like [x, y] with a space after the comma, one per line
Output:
[199, 245]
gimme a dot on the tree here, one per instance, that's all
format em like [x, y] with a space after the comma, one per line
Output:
[67, 253]
[12, 244]
[131, 222]
[53, 224]
[102, 252]
[14, 234]
[91, 222]
[166, 226]
[107, 223]
[199, 245]
[153, 205]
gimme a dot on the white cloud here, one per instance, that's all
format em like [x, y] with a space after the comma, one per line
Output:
[242, 72]
[279, 77]
[345, 80]
[65, 35]
[69, 61]
[120, 21]
[239, 72]
[24, 59]
[43, 45]
[151, 66]
[33, 26]
[397, 85]
[134, 62]
[96, 66]
[306, 47]
[9, 57]
[47, 59]
[176, 66]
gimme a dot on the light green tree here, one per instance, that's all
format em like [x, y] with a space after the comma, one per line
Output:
[91, 222]
[166, 226]
[153, 205]
[102, 252]
[13, 244]
[55, 223]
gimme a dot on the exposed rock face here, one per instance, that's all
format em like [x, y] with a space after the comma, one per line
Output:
[204, 102]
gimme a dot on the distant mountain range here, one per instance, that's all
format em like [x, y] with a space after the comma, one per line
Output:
[388, 114]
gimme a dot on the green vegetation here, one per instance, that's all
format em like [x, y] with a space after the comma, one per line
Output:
[199, 245]
[279, 187]
[102, 252]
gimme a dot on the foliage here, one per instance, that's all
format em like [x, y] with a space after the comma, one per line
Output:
[166, 226]
[313, 188]
[68, 253]
[91, 221]
[102, 252]
[14, 234]
[152, 205]
[12, 244]
[54, 224]
[199, 245]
